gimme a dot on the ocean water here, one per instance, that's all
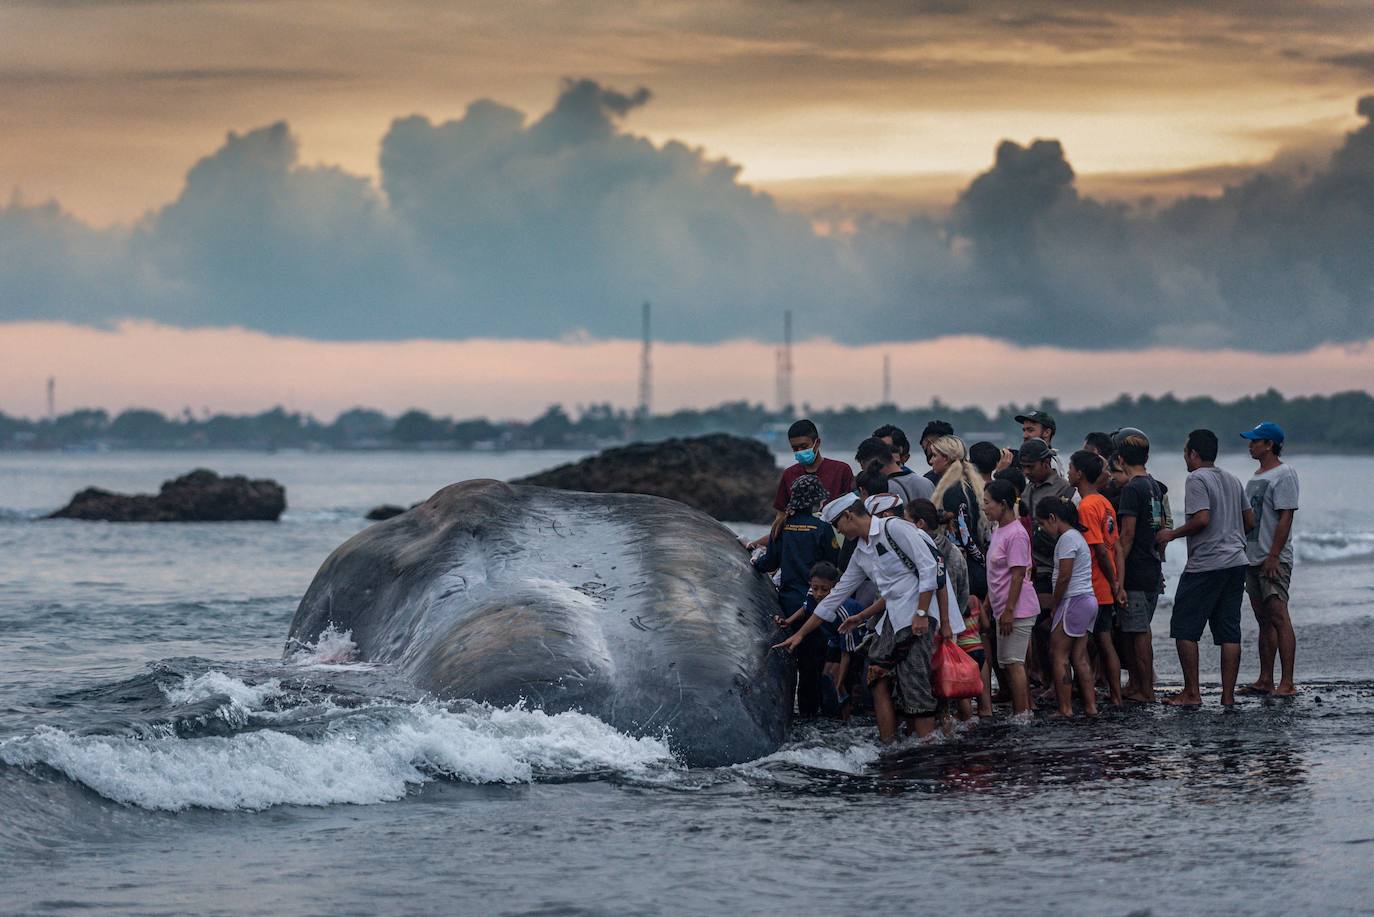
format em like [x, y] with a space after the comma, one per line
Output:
[160, 754]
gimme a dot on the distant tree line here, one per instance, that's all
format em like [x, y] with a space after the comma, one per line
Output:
[1340, 422]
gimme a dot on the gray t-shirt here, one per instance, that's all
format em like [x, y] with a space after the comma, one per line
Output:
[910, 487]
[1042, 542]
[1221, 544]
[1269, 492]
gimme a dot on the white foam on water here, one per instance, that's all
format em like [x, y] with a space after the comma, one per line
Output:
[1333, 547]
[333, 648]
[852, 760]
[217, 684]
[373, 756]
[242, 697]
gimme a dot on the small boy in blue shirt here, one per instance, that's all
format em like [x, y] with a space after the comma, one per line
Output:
[840, 648]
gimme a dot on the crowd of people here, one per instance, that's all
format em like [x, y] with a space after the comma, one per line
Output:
[1045, 570]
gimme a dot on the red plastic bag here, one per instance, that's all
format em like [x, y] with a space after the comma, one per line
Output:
[953, 673]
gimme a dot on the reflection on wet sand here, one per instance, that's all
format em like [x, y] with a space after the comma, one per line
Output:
[1207, 755]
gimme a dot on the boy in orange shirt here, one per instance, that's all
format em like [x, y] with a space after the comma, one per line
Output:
[1098, 518]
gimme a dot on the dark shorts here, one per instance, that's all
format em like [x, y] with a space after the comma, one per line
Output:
[1106, 617]
[905, 658]
[1137, 614]
[976, 656]
[1210, 599]
[1044, 583]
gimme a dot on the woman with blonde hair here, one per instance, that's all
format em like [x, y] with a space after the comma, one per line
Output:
[959, 496]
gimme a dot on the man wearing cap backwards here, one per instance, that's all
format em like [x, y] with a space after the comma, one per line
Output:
[1213, 582]
[892, 553]
[1272, 492]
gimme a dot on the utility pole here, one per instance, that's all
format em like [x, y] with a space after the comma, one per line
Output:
[52, 397]
[646, 368]
[887, 378]
[785, 403]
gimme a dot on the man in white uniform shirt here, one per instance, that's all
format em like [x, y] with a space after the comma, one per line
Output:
[891, 553]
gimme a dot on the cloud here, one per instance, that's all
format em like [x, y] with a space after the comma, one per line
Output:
[1275, 262]
[217, 76]
[569, 223]
[1363, 61]
[494, 225]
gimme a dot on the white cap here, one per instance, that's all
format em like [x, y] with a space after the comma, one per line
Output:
[832, 510]
[881, 503]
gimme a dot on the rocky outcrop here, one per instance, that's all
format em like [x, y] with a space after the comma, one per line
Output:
[201, 496]
[385, 511]
[729, 477]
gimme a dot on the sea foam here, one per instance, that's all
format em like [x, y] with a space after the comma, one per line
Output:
[332, 648]
[1334, 547]
[213, 683]
[369, 756]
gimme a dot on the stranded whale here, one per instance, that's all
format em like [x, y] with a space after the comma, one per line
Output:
[635, 609]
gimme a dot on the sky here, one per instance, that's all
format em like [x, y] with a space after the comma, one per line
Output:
[418, 182]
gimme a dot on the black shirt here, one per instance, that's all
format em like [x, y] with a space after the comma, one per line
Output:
[959, 502]
[1142, 498]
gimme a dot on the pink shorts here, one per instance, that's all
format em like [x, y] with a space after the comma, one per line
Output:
[1078, 614]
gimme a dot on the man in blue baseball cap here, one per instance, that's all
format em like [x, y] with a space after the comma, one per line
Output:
[1272, 492]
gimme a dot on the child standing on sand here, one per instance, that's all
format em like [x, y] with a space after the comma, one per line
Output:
[1074, 603]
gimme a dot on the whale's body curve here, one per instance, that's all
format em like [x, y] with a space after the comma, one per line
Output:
[635, 609]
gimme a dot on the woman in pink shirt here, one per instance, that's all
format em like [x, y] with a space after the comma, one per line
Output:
[1013, 606]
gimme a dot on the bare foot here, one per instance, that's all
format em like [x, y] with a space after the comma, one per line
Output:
[1183, 700]
[1092, 714]
[1286, 691]
[1257, 689]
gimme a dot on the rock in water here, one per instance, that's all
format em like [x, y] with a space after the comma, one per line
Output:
[729, 477]
[201, 496]
[385, 511]
[634, 609]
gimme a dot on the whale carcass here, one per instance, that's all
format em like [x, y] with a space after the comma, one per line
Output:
[635, 609]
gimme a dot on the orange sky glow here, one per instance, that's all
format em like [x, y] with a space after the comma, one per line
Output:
[231, 370]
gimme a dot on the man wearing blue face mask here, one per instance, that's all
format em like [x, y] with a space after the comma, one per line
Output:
[837, 477]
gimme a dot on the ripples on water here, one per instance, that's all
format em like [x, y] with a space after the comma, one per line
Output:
[156, 755]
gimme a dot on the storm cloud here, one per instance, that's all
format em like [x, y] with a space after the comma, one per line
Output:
[498, 225]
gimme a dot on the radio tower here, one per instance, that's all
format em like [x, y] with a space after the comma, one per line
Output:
[785, 365]
[52, 397]
[646, 369]
[887, 378]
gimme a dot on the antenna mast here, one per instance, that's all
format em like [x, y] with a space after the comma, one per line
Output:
[646, 368]
[785, 403]
[887, 378]
[52, 397]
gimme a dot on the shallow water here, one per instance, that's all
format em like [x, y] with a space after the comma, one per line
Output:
[157, 755]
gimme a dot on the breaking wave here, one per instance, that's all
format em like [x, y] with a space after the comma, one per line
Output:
[361, 756]
[1334, 547]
